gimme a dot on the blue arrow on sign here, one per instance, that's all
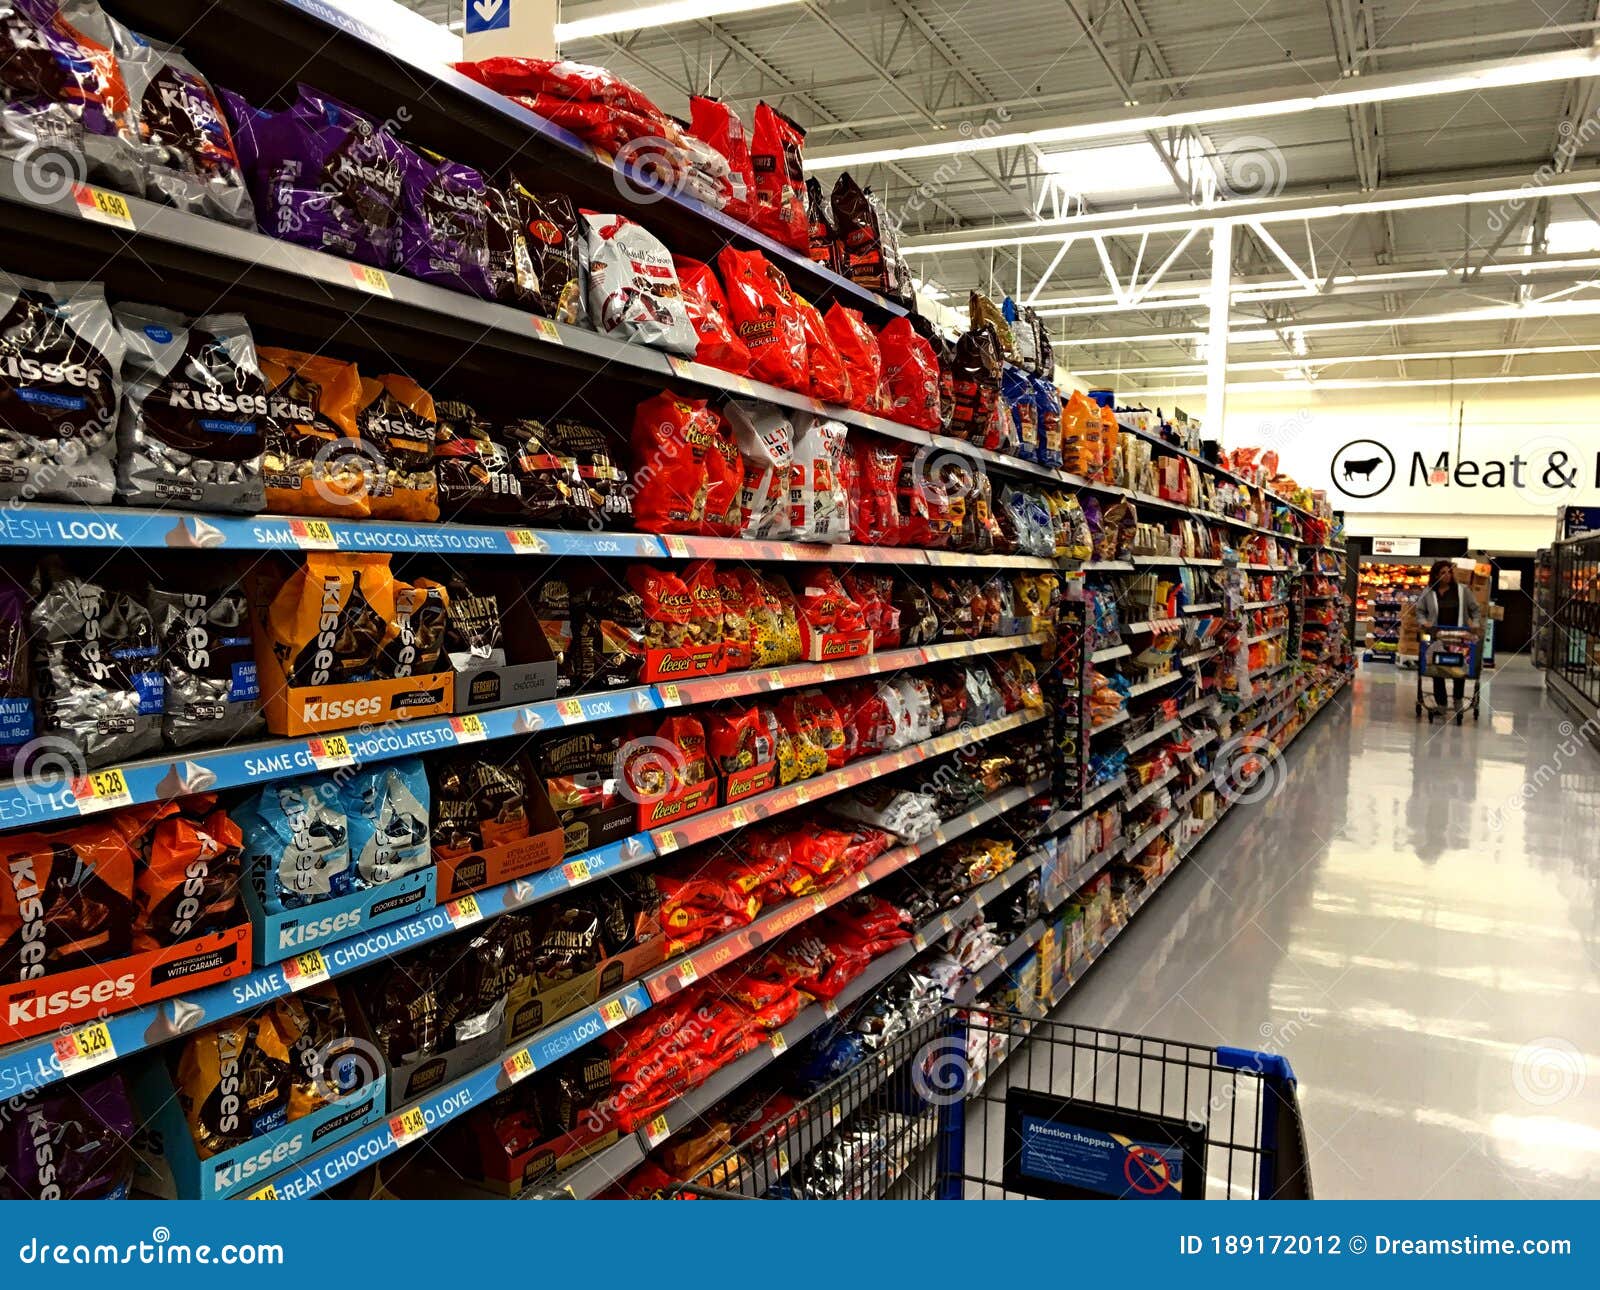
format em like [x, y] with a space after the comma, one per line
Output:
[488, 15]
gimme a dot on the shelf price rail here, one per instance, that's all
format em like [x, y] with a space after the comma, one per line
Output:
[327, 1167]
[175, 774]
[33, 1063]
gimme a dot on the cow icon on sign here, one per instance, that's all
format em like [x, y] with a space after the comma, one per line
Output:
[1362, 468]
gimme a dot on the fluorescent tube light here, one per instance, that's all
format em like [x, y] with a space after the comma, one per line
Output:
[640, 16]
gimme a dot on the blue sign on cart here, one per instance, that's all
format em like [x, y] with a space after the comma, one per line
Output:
[1061, 1148]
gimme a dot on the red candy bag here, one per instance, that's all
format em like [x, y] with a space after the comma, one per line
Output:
[780, 179]
[718, 344]
[828, 379]
[858, 350]
[761, 306]
[724, 485]
[910, 376]
[570, 82]
[672, 436]
[874, 517]
[716, 124]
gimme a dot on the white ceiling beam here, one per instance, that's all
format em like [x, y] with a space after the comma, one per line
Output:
[1154, 280]
[1345, 360]
[1055, 263]
[1380, 87]
[1288, 261]
[1266, 335]
[1361, 383]
[1515, 187]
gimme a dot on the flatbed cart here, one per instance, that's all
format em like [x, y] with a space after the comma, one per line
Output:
[976, 1104]
[1452, 653]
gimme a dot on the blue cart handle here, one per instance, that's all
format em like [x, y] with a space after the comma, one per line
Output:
[1270, 1065]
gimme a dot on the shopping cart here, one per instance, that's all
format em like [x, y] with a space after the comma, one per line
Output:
[1454, 654]
[975, 1104]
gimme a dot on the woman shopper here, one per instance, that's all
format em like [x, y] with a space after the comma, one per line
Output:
[1446, 603]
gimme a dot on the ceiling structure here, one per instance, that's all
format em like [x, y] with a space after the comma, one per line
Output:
[1411, 184]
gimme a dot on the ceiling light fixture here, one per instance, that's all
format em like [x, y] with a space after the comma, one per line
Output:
[1464, 78]
[1369, 383]
[638, 17]
[1323, 360]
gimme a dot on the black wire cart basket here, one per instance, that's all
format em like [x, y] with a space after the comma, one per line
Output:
[1450, 654]
[974, 1104]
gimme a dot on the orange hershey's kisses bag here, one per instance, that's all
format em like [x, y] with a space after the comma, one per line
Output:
[314, 463]
[329, 621]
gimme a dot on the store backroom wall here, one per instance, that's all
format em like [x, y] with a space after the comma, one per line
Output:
[1311, 430]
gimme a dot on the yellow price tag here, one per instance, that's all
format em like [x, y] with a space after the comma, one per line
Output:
[330, 752]
[837, 1112]
[408, 1126]
[819, 902]
[82, 1049]
[469, 730]
[613, 1013]
[526, 542]
[688, 974]
[669, 695]
[570, 709]
[577, 872]
[779, 1044]
[373, 281]
[519, 1065]
[305, 970]
[100, 790]
[464, 912]
[828, 673]
[739, 817]
[313, 535]
[102, 207]
[546, 330]
[677, 547]
[269, 1192]
[862, 882]
[783, 1160]
[802, 794]
[666, 842]
[657, 1131]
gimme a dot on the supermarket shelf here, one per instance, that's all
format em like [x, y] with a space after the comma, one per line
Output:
[1330, 596]
[1150, 789]
[1108, 566]
[1265, 636]
[321, 1170]
[34, 524]
[597, 1172]
[1114, 651]
[1149, 687]
[1199, 705]
[1204, 562]
[1107, 725]
[1221, 472]
[1137, 846]
[1143, 560]
[1266, 568]
[31, 1063]
[985, 977]
[1154, 625]
[1060, 819]
[1204, 607]
[1263, 604]
[1199, 656]
[179, 772]
[1150, 736]
[1193, 791]
[1198, 742]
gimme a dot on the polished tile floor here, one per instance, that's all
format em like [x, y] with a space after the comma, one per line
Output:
[1412, 920]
